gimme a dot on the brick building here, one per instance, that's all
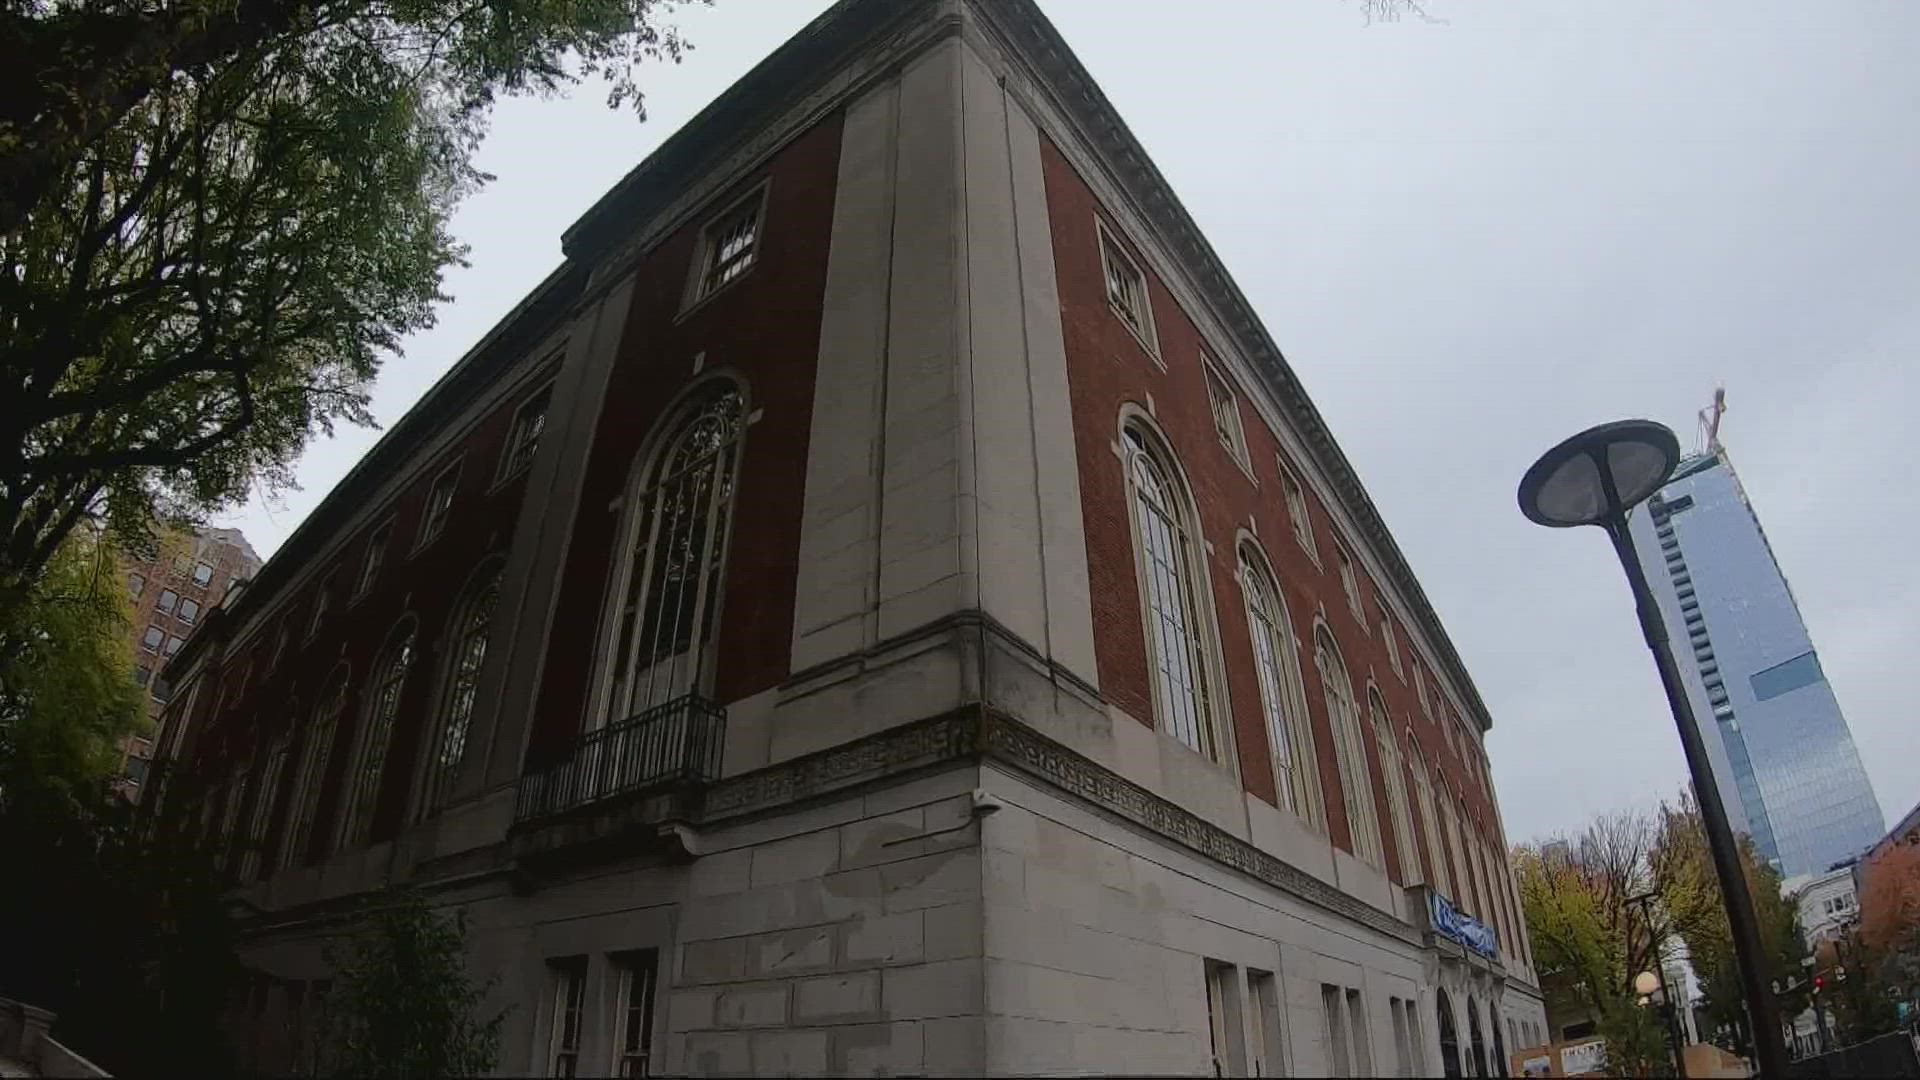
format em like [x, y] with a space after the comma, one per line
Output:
[883, 605]
[191, 572]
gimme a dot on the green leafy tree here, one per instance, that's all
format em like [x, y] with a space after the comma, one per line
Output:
[403, 1004]
[1590, 939]
[67, 695]
[1690, 890]
[72, 70]
[228, 214]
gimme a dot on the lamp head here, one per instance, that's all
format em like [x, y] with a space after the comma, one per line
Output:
[1646, 983]
[1599, 473]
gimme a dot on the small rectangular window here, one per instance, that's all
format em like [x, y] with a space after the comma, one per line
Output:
[1223, 1015]
[152, 639]
[1392, 644]
[1333, 1015]
[729, 246]
[136, 583]
[439, 504]
[568, 978]
[161, 690]
[141, 673]
[280, 635]
[1268, 1056]
[322, 599]
[167, 602]
[173, 646]
[633, 999]
[1127, 291]
[1297, 510]
[1349, 581]
[1420, 688]
[1226, 414]
[376, 555]
[189, 610]
[528, 422]
[202, 574]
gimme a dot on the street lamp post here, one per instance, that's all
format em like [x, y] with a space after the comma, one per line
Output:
[1671, 1016]
[1594, 478]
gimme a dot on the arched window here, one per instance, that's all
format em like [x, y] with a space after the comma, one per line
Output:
[273, 769]
[316, 750]
[1449, 1037]
[376, 735]
[1439, 874]
[1479, 1039]
[1349, 747]
[681, 510]
[1170, 569]
[1399, 816]
[1282, 700]
[472, 627]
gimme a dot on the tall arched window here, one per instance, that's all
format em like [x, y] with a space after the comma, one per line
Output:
[1349, 748]
[1399, 816]
[1282, 700]
[1170, 569]
[676, 535]
[316, 750]
[1438, 873]
[472, 627]
[376, 735]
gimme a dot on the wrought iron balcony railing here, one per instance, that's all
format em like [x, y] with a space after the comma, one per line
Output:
[671, 745]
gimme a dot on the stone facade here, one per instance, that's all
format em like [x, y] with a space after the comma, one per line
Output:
[914, 804]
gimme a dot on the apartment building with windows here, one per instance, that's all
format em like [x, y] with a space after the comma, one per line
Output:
[883, 605]
[188, 573]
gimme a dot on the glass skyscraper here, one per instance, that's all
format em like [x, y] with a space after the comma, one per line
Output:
[1781, 751]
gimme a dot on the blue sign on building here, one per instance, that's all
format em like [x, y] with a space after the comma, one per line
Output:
[1450, 923]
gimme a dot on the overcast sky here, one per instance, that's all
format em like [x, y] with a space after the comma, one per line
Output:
[1472, 238]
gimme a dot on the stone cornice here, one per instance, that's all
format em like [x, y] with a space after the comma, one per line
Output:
[1079, 98]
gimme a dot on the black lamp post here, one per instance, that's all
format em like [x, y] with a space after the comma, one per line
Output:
[1594, 478]
[1670, 1013]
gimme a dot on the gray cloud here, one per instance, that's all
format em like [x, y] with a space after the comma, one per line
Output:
[1472, 238]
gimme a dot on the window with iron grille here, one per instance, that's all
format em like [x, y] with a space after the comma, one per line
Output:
[474, 624]
[370, 761]
[1127, 291]
[676, 535]
[729, 246]
[568, 977]
[633, 998]
[1177, 640]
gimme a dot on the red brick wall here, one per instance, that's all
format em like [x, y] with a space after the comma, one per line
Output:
[766, 326]
[424, 584]
[1107, 369]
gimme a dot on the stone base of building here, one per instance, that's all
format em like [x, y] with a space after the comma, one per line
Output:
[956, 897]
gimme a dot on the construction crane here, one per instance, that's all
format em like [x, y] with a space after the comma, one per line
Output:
[1710, 421]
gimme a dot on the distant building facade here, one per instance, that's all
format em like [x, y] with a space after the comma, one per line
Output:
[189, 574]
[883, 606]
[1782, 753]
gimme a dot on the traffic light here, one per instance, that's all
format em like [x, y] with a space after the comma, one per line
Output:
[1819, 983]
